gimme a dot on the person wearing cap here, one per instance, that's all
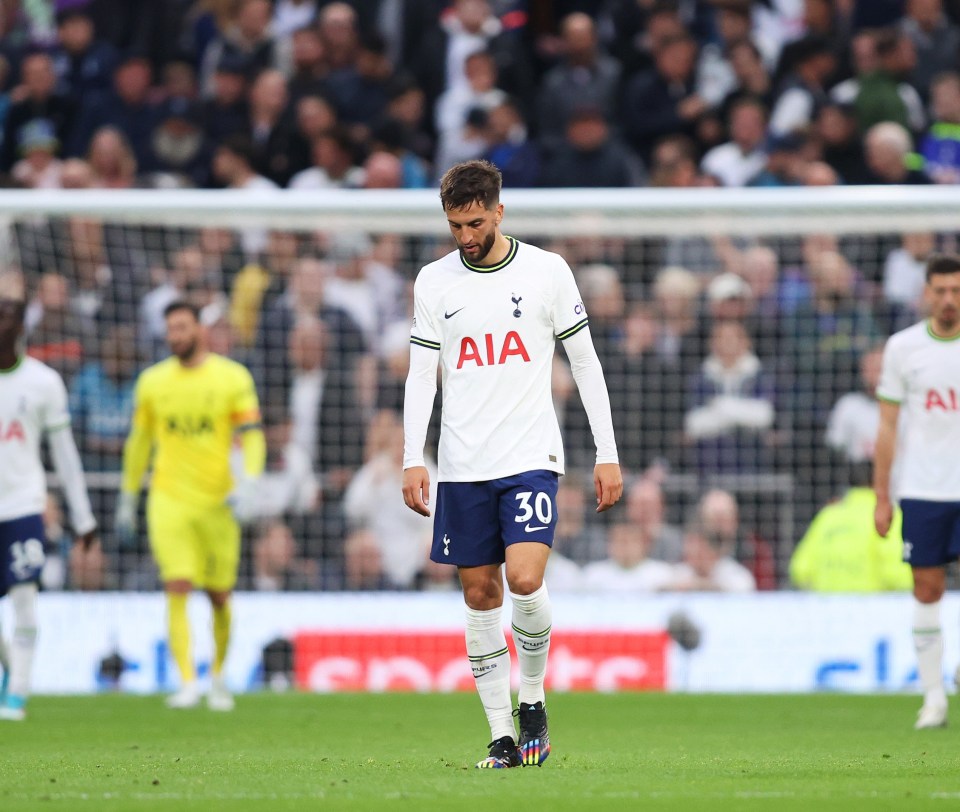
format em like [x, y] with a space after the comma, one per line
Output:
[39, 167]
[784, 161]
[180, 151]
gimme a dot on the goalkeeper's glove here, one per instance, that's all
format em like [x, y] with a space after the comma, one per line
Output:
[243, 500]
[125, 523]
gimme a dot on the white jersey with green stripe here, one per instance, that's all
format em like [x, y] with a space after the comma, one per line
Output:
[921, 372]
[496, 329]
[33, 401]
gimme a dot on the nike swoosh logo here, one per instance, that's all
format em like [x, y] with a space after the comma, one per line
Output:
[530, 529]
[447, 315]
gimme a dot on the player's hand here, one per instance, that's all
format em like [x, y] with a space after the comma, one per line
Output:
[87, 540]
[125, 523]
[608, 482]
[243, 500]
[416, 489]
[883, 516]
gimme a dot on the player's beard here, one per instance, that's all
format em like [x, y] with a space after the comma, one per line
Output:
[185, 351]
[485, 247]
[947, 320]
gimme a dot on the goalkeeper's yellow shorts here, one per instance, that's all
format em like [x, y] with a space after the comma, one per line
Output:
[196, 544]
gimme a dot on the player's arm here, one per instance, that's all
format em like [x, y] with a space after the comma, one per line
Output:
[136, 458]
[66, 462]
[248, 426]
[882, 463]
[419, 393]
[588, 375]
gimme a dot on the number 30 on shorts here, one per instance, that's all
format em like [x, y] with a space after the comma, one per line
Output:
[530, 504]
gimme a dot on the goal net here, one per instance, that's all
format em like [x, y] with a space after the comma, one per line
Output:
[739, 333]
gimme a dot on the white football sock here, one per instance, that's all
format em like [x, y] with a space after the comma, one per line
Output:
[490, 661]
[532, 616]
[4, 653]
[928, 641]
[24, 598]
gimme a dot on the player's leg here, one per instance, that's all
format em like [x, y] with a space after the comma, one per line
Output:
[4, 668]
[927, 530]
[528, 519]
[21, 560]
[466, 533]
[220, 536]
[173, 544]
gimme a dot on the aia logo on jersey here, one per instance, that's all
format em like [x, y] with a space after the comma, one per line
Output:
[189, 426]
[12, 431]
[512, 345]
[946, 401]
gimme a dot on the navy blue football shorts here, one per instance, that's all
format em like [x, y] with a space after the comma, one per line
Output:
[475, 522]
[21, 552]
[931, 532]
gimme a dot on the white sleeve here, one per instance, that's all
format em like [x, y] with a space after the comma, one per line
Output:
[420, 390]
[66, 459]
[892, 386]
[588, 374]
[792, 112]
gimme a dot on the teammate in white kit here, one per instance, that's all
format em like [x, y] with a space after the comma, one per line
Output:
[489, 314]
[921, 377]
[33, 402]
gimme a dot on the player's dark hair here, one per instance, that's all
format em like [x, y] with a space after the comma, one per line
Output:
[471, 182]
[182, 304]
[942, 264]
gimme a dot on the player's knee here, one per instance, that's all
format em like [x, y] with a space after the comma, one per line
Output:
[926, 592]
[218, 599]
[484, 596]
[524, 583]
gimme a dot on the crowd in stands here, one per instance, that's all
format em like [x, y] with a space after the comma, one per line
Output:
[728, 362]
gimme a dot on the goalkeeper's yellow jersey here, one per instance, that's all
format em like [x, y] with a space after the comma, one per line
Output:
[191, 414]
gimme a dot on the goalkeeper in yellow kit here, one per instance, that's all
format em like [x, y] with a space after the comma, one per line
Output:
[189, 408]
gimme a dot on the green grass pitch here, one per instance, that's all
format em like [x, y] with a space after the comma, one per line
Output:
[416, 752]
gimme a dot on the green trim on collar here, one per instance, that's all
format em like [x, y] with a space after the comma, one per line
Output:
[14, 368]
[935, 337]
[514, 245]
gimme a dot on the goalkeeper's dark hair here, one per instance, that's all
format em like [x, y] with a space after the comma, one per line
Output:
[182, 304]
[471, 182]
[942, 264]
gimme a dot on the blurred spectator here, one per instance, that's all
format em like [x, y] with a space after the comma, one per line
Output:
[842, 552]
[278, 150]
[309, 63]
[287, 486]
[276, 565]
[663, 101]
[363, 563]
[392, 137]
[888, 149]
[339, 35]
[249, 37]
[719, 517]
[674, 163]
[742, 157]
[315, 115]
[804, 90]
[180, 153]
[751, 78]
[225, 108]
[186, 277]
[854, 419]
[360, 91]
[373, 502]
[127, 107]
[509, 148]
[461, 112]
[291, 16]
[730, 406]
[627, 567]
[260, 283]
[819, 173]
[585, 76]
[904, 270]
[646, 513]
[334, 163]
[840, 142]
[111, 159]
[39, 167]
[576, 540]
[590, 155]
[940, 147]
[715, 74]
[407, 104]
[83, 64]
[935, 39]
[784, 162]
[36, 97]
[708, 567]
[56, 335]
[101, 399]
[233, 166]
[675, 292]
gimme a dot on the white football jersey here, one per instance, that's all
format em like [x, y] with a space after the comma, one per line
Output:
[495, 329]
[33, 400]
[922, 373]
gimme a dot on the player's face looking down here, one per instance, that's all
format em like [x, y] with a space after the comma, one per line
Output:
[475, 229]
[183, 334]
[11, 322]
[943, 298]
